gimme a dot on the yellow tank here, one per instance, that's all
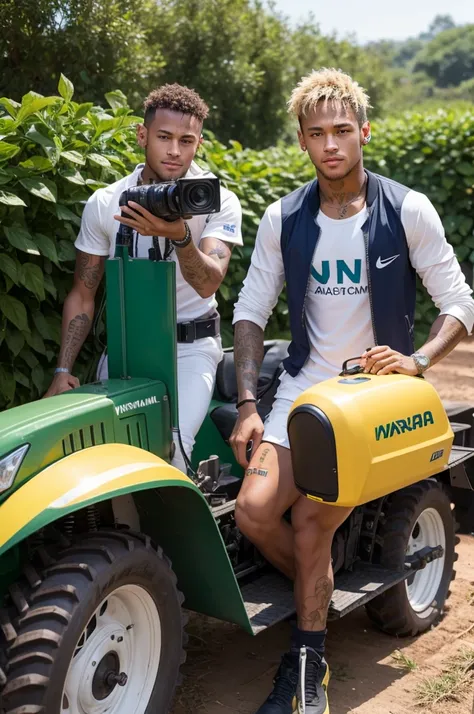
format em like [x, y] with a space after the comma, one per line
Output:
[356, 438]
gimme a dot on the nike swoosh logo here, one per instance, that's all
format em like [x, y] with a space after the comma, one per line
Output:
[386, 261]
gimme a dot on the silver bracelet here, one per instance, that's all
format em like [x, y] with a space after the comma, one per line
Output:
[186, 240]
[61, 370]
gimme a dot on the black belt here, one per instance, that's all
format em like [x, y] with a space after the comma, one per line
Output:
[198, 329]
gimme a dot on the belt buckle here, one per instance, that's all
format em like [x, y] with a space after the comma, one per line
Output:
[189, 330]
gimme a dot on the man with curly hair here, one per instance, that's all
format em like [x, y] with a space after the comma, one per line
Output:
[349, 245]
[170, 135]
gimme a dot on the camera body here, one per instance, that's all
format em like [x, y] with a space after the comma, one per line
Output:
[171, 200]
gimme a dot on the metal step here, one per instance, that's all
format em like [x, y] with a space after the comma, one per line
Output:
[457, 426]
[459, 454]
[452, 408]
[356, 588]
[269, 598]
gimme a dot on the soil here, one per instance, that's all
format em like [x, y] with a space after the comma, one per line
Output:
[228, 671]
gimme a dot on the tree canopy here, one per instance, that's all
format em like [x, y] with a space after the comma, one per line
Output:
[242, 56]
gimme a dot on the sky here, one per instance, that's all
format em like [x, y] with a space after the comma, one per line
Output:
[376, 19]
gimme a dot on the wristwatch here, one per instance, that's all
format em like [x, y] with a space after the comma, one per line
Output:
[422, 362]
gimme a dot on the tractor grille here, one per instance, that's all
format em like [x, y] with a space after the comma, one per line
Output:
[83, 438]
[136, 431]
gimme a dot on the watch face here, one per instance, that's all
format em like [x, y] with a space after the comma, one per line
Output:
[422, 361]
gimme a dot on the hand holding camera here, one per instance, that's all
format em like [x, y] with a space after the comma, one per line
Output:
[146, 224]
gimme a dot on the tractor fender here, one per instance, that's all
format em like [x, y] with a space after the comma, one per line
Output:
[171, 509]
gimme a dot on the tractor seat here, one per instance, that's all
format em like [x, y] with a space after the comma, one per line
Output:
[224, 417]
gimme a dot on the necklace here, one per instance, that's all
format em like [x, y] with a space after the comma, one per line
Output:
[343, 200]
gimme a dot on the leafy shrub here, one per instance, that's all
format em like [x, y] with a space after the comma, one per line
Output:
[55, 152]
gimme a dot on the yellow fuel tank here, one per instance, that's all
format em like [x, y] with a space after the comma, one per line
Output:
[356, 438]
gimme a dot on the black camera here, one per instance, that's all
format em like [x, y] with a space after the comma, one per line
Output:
[174, 199]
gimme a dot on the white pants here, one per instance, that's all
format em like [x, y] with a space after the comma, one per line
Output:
[275, 424]
[197, 366]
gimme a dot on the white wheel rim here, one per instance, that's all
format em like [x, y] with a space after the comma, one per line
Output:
[123, 636]
[423, 587]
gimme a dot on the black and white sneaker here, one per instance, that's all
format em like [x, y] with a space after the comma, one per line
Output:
[313, 683]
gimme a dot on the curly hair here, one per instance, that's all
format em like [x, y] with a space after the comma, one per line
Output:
[329, 85]
[176, 98]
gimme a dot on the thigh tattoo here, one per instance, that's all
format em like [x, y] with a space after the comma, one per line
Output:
[257, 472]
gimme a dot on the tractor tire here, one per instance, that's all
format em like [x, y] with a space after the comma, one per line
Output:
[100, 629]
[416, 517]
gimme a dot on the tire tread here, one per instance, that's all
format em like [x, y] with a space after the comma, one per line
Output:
[45, 610]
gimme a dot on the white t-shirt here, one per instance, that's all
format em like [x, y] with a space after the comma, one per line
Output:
[337, 307]
[99, 229]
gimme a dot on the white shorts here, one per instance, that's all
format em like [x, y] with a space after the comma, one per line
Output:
[276, 423]
[197, 367]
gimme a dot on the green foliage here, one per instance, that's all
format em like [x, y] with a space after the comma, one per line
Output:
[240, 55]
[449, 58]
[100, 45]
[53, 154]
[432, 70]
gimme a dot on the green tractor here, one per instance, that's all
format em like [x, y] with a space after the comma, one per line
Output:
[102, 540]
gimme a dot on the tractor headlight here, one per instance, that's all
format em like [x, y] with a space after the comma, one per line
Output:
[9, 466]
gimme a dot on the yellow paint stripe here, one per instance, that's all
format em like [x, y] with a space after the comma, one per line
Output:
[83, 475]
[95, 484]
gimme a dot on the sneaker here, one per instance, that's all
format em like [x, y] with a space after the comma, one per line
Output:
[313, 683]
[282, 699]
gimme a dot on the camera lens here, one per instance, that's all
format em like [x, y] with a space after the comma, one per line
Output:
[199, 196]
[163, 200]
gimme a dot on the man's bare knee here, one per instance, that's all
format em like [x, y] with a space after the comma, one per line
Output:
[314, 526]
[267, 492]
[254, 519]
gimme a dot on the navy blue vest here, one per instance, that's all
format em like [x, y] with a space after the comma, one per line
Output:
[392, 287]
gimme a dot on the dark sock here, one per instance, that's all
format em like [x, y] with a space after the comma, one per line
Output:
[315, 640]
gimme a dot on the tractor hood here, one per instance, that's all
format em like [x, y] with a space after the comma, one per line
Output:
[133, 411]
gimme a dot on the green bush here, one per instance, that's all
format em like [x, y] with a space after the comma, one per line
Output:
[55, 152]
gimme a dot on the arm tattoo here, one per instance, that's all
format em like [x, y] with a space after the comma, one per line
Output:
[89, 274]
[248, 348]
[446, 332]
[220, 249]
[77, 332]
[315, 607]
[194, 268]
[200, 272]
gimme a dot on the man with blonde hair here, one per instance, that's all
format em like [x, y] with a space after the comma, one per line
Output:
[349, 245]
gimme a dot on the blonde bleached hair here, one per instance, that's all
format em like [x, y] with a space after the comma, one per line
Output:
[329, 85]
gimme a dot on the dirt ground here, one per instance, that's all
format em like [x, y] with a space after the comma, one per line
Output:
[228, 671]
